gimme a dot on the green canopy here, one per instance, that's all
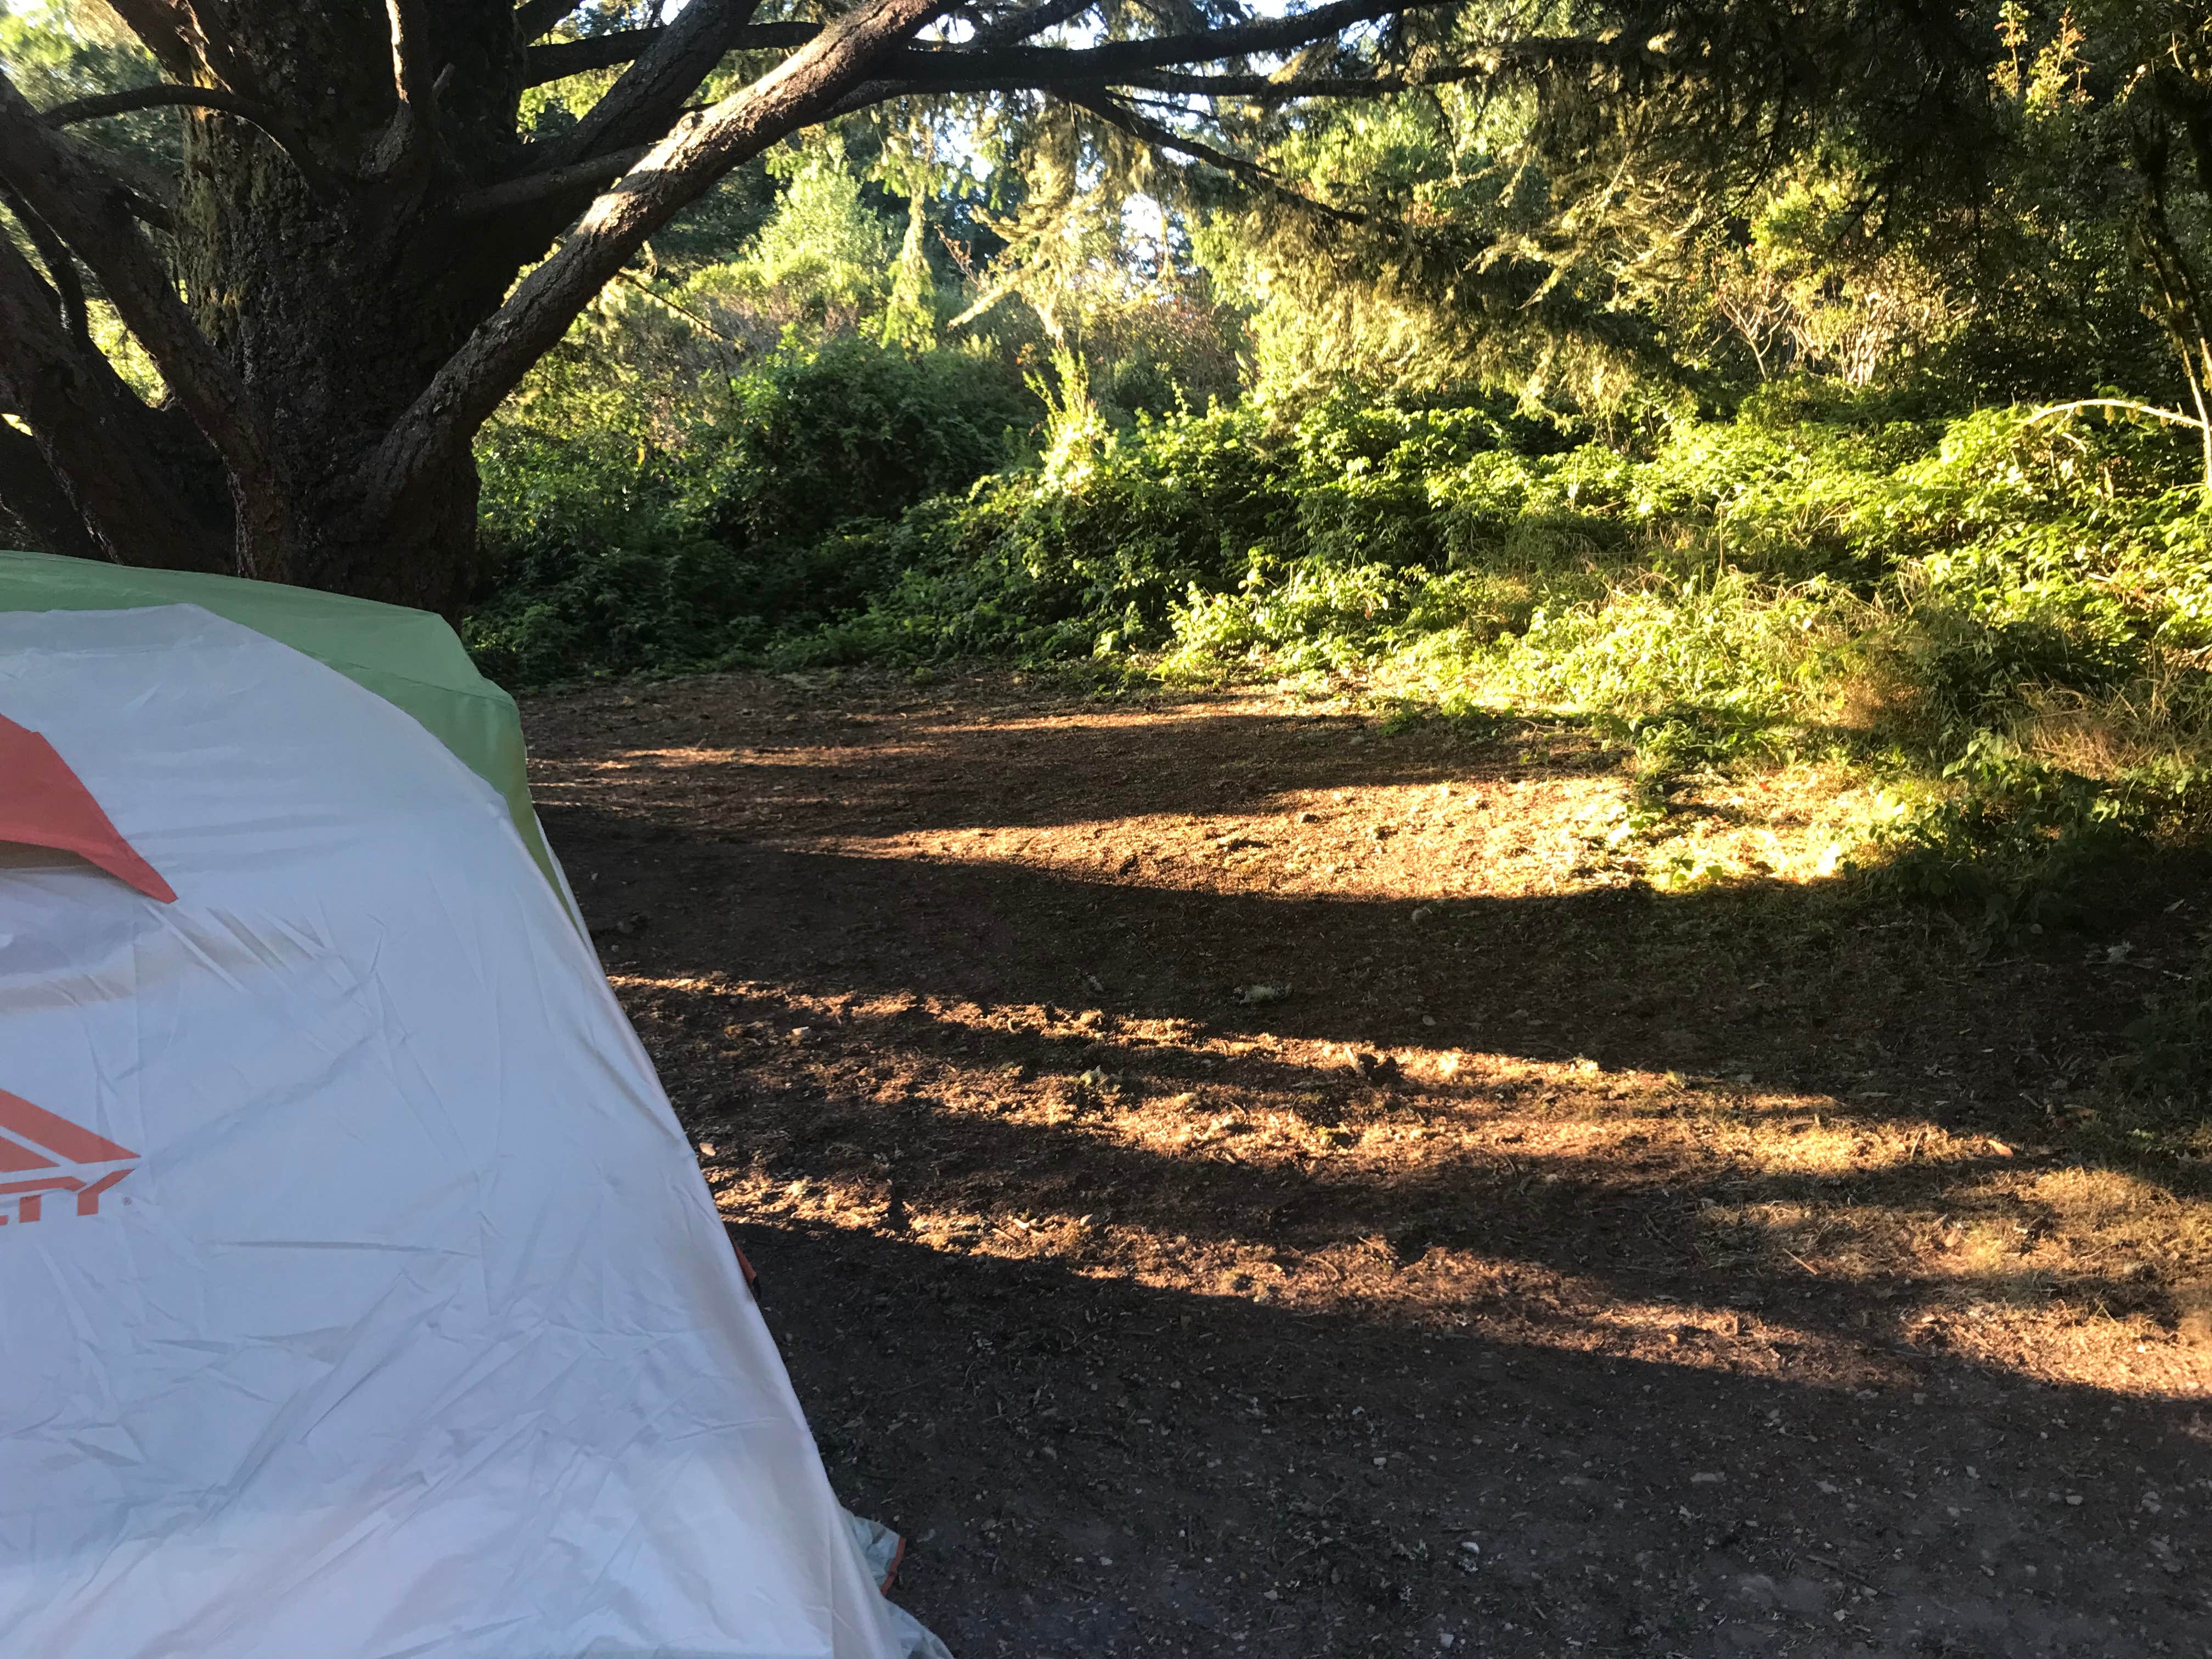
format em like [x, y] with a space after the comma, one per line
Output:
[411, 658]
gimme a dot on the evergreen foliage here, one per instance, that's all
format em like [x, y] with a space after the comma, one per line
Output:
[621, 554]
[1821, 448]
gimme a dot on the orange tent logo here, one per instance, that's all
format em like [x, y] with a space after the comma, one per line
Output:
[42, 1154]
[48, 805]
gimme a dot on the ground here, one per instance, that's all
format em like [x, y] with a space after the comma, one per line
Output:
[1232, 1176]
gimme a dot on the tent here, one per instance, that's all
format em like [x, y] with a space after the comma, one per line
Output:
[363, 1297]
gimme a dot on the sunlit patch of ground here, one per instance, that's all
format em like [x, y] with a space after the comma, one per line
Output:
[1794, 823]
[1236, 1156]
[1965, 1243]
[1561, 815]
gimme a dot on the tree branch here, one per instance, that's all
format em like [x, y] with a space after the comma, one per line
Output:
[90, 212]
[411, 72]
[1047, 66]
[958, 69]
[411, 139]
[163, 28]
[532, 188]
[1075, 73]
[1147, 131]
[555, 60]
[92, 435]
[267, 121]
[772, 37]
[638, 108]
[61, 268]
[2166, 415]
[1035, 21]
[533, 18]
[1269, 87]
[154, 97]
[680, 168]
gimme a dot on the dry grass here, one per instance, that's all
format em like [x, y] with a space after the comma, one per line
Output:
[2156, 722]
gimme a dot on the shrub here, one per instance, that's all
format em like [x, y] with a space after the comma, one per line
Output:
[2005, 614]
[615, 556]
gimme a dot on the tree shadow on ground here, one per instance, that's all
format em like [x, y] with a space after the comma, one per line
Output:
[1087, 1465]
[1611, 1210]
[956, 768]
[1771, 979]
[1077, 1337]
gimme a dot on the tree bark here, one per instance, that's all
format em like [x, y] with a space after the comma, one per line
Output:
[35, 510]
[340, 308]
[119, 464]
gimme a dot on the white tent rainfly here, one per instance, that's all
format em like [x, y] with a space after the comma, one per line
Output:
[363, 1297]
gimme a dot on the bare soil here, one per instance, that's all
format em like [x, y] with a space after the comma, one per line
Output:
[1231, 1178]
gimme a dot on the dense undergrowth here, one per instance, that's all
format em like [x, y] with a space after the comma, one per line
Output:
[622, 552]
[1995, 624]
[2003, 616]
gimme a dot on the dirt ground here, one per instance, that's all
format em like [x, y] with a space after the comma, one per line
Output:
[1230, 1177]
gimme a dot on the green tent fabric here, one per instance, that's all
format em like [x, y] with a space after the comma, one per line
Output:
[409, 658]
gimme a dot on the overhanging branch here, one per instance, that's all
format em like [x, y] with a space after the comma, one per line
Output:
[88, 210]
[1047, 66]
[555, 60]
[638, 108]
[272, 126]
[532, 188]
[1272, 89]
[679, 169]
[161, 27]
[1151, 64]
[61, 267]
[1159, 136]
[533, 18]
[1024, 25]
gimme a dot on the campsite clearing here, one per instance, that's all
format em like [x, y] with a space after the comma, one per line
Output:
[1230, 1177]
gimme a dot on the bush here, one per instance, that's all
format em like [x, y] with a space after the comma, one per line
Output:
[616, 556]
[1227, 533]
[2006, 616]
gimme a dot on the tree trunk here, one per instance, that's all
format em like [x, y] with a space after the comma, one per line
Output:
[122, 470]
[2186, 308]
[35, 510]
[337, 336]
[338, 307]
